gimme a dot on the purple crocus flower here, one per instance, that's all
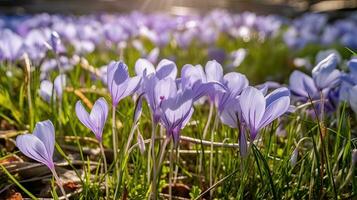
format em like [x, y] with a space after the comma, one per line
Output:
[55, 42]
[39, 146]
[120, 85]
[230, 114]
[325, 74]
[214, 71]
[176, 112]
[153, 55]
[156, 91]
[234, 84]
[95, 120]
[303, 86]
[10, 45]
[259, 111]
[193, 78]
[46, 88]
[236, 58]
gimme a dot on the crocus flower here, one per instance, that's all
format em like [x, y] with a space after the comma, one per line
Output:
[325, 74]
[46, 88]
[194, 78]
[237, 57]
[303, 86]
[10, 45]
[156, 91]
[95, 120]
[120, 85]
[230, 114]
[214, 71]
[176, 112]
[55, 42]
[234, 83]
[39, 146]
[259, 111]
[153, 55]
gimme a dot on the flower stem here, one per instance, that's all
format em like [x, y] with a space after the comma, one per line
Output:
[115, 140]
[211, 108]
[105, 170]
[211, 155]
[125, 156]
[154, 169]
[171, 169]
[322, 107]
[131, 135]
[59, 183]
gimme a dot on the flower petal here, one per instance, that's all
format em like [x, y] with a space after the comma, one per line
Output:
[214, 71]
[235, 82]
[46, 133]
[302, 85]
[230, 112]
[98, 117]
[278, 103]
[141, 65]
[33, 148]
[252, 103]
[46, 88]
[59, 84]
[117, 76]
[83, 116]
[166, 68]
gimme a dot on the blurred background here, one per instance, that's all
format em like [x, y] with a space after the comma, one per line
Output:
[290, 8]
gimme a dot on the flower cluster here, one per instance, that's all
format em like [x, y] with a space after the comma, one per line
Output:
[86, 33]
[315, 29]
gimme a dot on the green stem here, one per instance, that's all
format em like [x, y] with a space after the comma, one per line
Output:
[155, 175]
[211, 155]
[210, 114]
[59, 183]
[171, 169]
[105, 170]
[154, 169]
[115, 140]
